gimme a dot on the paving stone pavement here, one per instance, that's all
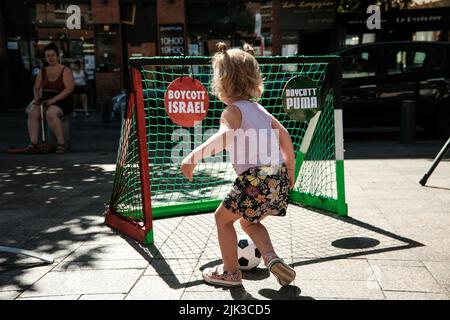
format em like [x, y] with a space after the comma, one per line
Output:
[393, 245]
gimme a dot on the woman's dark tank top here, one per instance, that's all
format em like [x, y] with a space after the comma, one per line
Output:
[52, 86]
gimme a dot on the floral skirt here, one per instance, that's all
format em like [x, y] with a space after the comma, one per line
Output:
[259, 192]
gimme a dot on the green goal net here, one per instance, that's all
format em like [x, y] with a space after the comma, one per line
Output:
[148, 183]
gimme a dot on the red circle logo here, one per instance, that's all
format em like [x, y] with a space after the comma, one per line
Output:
[186, 101]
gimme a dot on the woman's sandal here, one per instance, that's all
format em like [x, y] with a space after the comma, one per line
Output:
[60, 148]
[283, 272]
[30, 149]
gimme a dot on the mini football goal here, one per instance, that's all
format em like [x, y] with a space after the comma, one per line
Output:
[148, 183]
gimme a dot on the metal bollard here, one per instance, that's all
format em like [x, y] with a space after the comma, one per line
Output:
[408, 122]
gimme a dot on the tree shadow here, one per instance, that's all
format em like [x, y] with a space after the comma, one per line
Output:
[50, 205]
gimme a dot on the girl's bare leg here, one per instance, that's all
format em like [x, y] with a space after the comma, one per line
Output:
[260, 237]
[227, 238]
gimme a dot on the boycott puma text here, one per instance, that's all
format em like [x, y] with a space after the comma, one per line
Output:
[301, 98]
[301, 92]
[301, 103]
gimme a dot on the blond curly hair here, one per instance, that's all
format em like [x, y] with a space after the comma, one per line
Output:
[236, 74]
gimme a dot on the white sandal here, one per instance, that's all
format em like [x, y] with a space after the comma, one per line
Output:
[283, 272]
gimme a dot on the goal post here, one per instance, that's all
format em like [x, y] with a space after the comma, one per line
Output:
[148, 183]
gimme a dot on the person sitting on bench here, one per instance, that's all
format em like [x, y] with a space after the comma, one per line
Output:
[53, 89]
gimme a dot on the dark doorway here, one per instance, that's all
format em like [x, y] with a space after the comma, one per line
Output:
[316, 43]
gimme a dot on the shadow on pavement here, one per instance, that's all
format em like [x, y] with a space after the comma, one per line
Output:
[357, 246]
[52, 203]
[362, 245]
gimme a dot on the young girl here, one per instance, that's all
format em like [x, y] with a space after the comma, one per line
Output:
[264, 180]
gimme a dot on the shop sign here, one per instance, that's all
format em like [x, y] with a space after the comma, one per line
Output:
[171, 40]
[419, 19]
[430, 18]
[308, 15]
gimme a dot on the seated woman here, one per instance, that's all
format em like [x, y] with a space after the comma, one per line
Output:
[53, 89]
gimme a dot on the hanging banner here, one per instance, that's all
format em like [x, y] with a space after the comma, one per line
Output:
[301, 98]
[186, 101]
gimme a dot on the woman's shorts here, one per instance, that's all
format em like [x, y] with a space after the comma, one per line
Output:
[259, 192]
[66, 104]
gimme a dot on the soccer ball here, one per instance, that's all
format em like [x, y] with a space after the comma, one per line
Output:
[249, 256]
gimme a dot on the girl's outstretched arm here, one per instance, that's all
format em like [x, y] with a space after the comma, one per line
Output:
[230, 121]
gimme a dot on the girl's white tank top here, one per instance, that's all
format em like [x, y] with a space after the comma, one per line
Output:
[256, 143]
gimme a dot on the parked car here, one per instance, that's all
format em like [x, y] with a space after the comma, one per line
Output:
[377, 77]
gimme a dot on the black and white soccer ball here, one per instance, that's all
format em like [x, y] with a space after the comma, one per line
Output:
[249, 256]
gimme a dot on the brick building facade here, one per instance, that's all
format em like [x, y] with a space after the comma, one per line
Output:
[114, 30]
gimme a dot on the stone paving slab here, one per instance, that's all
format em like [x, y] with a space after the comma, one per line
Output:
[9, 295]
[156, 288]
[403, 295]
[54, 297]
[112, 296]
[405, 278]
[20, 279]
[346, 269]
[100, 265]
[440, 271]
[104, 252]
[84, 282]
[342, 289]
[160, 266]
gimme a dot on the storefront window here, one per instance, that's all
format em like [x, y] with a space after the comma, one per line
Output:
[369, 38]
[107, 43]
[289, 49]
[427, 36]
[351, 40]
[355, 39]
[210, 22]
